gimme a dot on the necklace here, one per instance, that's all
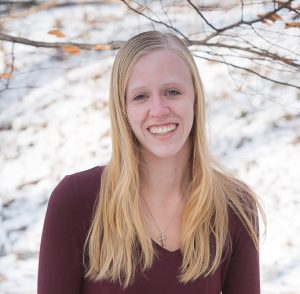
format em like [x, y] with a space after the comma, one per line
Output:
[162, 233]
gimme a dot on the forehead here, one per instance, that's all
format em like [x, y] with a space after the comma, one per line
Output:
[162, 65]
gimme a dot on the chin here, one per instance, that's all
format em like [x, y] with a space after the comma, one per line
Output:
[164, 153]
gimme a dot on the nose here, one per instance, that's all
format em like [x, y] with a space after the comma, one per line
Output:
[159, 106]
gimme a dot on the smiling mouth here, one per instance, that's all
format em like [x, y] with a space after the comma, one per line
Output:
[162, 130]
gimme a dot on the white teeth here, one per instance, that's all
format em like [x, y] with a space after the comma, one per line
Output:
[162, 129]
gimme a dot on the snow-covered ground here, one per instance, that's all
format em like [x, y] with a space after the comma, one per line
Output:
[54, 121]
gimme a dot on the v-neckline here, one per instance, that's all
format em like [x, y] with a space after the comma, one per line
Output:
[161, 248]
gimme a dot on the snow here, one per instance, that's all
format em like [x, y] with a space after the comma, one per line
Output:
[54, 121]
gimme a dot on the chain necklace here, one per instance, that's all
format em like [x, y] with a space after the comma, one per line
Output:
[162, 233]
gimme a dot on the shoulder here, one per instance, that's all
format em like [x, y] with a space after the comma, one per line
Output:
[76, 193]
[82, 183]
[243, 216]
[66, 224]
[86, 182]
[238, 278]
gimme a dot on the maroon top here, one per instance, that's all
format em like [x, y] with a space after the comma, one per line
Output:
[66, 224]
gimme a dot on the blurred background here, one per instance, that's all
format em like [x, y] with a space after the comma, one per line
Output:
[55, 63]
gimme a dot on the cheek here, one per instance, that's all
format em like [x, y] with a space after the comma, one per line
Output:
[189, 116]
[187, 109]
[133, 120]
[130, 119]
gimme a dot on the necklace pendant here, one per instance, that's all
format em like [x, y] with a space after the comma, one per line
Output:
[162, 239]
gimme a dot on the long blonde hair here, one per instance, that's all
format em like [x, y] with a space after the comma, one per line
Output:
[117, 243]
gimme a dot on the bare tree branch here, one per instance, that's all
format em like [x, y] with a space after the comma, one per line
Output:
[249, 23]
[249, 70]
[226, 39]
[155, 21]
[254, 60]
[202, 16]
[273, 44]
[249, 50]
[50, 5]
[19, 3]
[96, 47]
[116, 45]
[34, 7]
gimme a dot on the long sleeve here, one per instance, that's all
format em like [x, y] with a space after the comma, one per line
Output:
[60, 252]
[242, 273]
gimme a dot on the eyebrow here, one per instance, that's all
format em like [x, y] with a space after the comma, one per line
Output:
[176, 82]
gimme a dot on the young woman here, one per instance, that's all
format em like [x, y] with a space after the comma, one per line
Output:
[162, 216]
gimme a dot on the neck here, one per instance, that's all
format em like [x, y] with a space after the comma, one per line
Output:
[165, 178]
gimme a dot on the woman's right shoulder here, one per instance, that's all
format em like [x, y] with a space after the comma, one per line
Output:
[78, 191]
[65, 229]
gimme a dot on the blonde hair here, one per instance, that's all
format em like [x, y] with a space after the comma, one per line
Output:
[117, 242]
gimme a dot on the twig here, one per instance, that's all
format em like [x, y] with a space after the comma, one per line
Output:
[249, 23]
[34, 6]
[117, 44]
[202, 16]
[249, 70]
[156, 21]
[97, 47]
[249, 50]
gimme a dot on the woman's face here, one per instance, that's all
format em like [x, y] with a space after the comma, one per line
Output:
[160, 103]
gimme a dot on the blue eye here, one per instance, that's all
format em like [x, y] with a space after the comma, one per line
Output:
[172, 92]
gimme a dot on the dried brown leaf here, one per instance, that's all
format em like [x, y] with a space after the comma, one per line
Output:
[274, 17]
[71, 49]
[10, 66]
[288, 116]
[101, 47]
[288, 60]
[261, 15]
[264, 19]
[292, 25]
[296, 141]
[280, 3]
[6, 75]
[57, 33]
[283, 3]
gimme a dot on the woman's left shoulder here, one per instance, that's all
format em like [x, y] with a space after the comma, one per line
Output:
[246, 207]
